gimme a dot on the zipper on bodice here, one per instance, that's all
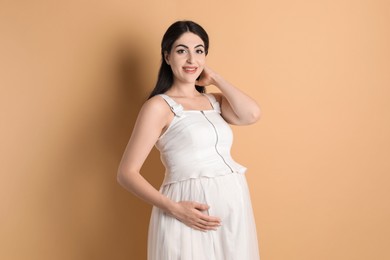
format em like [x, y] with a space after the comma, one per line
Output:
[216, 142]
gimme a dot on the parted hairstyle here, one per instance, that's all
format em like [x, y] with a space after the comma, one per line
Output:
[165, 74]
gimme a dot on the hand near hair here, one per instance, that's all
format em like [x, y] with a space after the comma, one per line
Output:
[207, 77]
[237, 108]
[190, 213]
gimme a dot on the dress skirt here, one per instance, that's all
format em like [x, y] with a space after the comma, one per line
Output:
[229, 199]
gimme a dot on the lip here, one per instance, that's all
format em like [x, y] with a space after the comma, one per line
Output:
[190, 69]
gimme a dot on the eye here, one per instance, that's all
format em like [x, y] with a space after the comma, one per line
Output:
[181, 51]
[199, 51]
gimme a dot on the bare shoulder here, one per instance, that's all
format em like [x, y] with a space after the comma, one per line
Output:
[156, 103]
[156, 107]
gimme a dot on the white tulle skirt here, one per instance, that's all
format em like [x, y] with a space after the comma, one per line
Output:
[229, 199]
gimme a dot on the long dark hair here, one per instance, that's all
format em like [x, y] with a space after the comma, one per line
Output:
[165, 75]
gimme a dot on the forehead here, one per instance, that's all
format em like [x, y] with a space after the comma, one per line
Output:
[189, 39]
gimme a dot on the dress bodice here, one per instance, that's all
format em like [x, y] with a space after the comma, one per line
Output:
[196, 144]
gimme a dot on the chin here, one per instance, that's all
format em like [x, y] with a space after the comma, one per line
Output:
[190, 79]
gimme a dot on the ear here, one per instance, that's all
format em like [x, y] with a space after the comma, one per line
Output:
[166, 57]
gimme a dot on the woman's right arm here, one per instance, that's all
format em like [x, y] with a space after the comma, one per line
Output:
[152, 119]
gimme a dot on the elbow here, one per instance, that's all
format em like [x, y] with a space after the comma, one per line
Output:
[125, 177]
[257, 114]
[121, 177]
[254, 116]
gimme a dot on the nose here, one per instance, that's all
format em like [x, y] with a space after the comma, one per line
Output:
[190, 58]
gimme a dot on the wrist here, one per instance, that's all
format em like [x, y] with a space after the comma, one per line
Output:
[170, 206]
[217, 80]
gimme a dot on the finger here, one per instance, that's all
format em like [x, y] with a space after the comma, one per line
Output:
[205, 223]
[210, 219]
[201, 227]
[208, 225]
[200, 206]
[198, 226]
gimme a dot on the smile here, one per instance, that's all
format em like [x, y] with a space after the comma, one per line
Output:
[190, 69]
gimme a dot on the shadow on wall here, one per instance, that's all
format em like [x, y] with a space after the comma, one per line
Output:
[132, 213]
[96, 217]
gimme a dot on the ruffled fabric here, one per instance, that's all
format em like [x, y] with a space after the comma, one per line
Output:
[196, 172]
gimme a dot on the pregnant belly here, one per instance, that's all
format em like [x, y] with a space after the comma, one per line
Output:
[226, 195]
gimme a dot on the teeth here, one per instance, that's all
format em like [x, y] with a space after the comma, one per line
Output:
[190, 69]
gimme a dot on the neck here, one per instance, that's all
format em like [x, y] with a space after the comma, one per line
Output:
[183, 90]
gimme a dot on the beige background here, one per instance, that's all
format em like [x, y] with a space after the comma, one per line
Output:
[73, 75]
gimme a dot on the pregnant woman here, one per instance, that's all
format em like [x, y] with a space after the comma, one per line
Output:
[203, 208]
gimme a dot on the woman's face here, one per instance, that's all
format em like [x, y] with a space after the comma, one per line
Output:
[187, 58]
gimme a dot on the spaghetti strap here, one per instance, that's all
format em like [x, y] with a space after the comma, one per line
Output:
[213, 101]
[176, 108]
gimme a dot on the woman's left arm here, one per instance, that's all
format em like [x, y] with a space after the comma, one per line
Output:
[237, 108]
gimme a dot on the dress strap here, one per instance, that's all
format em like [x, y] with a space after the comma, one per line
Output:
[213, 102]
[176, 108]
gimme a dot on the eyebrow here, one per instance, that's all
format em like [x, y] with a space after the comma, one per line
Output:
[185, 46]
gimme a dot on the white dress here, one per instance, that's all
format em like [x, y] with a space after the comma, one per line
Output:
[195, 150]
